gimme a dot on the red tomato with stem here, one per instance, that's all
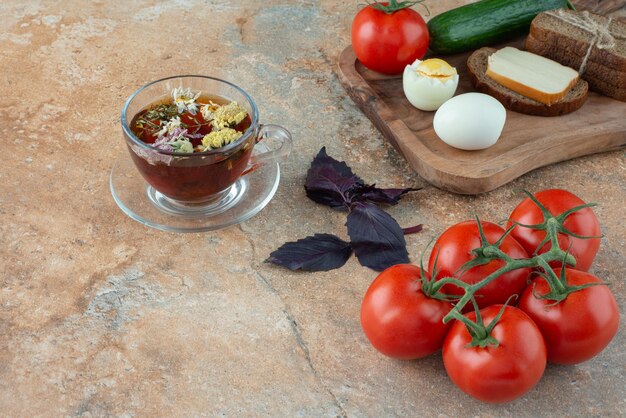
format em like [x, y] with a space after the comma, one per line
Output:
[399, 319]
[388, 41]
[454, 248]
[496, 373]
[582, 223]
[578, 327]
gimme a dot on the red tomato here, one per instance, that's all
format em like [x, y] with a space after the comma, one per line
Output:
[577, 328]
[502, 373]
[399, 319]
[453, 248]
[582, 222]
[389, 42]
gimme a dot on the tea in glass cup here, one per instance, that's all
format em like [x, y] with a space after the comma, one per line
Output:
[192, 138]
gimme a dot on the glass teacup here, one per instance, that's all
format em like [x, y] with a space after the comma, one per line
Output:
[195, 180]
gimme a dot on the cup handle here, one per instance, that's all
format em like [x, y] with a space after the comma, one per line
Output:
[277, 133]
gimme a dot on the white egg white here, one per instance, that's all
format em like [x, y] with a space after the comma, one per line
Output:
[427, 93]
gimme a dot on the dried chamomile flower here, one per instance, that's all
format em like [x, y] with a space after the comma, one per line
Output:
[217, 139]
[170, 126]
[184, 99]
[208, 109]
[228, 115]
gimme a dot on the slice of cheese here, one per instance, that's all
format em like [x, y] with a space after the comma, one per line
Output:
[531, 75]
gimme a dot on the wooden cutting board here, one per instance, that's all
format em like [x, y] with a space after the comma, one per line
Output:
[527, 142]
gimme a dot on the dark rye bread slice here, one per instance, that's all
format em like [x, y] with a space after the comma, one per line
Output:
[477, 68]
[553, 37]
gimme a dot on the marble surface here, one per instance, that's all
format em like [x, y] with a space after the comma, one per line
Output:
[102, 316]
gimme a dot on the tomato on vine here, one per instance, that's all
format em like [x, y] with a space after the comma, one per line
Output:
[463, 243]
[499, 352]
[577, 322]
[499, 362]
[572, 220]
[399, 318]
[388, 36]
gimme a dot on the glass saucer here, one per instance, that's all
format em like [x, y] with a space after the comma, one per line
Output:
[240, 202]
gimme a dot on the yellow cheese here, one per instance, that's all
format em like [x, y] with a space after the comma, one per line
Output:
[531, 75]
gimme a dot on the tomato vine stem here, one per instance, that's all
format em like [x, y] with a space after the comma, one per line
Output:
[559, 289]
[393, 6]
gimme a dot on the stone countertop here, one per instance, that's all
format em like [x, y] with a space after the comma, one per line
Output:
[102, 316]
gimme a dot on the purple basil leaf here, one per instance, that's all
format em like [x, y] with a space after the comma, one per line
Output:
[376, 238]
[413, 229]
[328, 181]
[389, 196]
[321, 252]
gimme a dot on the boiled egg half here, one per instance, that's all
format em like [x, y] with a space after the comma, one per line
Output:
[428, 84]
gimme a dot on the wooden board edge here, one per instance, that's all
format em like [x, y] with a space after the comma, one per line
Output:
[488, 181]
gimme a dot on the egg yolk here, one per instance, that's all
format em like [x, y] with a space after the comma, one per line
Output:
[435, 67]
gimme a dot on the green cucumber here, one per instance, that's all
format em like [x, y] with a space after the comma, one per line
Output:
[484, 23]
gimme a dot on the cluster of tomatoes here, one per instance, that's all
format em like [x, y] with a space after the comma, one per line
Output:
[497, 351]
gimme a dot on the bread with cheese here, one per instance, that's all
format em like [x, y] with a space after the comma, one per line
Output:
[477, 70]
[531, 75]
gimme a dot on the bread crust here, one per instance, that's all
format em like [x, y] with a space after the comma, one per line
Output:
[477, 67]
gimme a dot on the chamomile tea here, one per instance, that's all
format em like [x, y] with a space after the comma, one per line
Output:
[184, 130]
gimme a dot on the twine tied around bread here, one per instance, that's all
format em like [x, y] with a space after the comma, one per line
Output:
[602, 37]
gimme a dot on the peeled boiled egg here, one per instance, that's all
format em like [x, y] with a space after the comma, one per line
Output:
[429, 83]
[470, 121]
